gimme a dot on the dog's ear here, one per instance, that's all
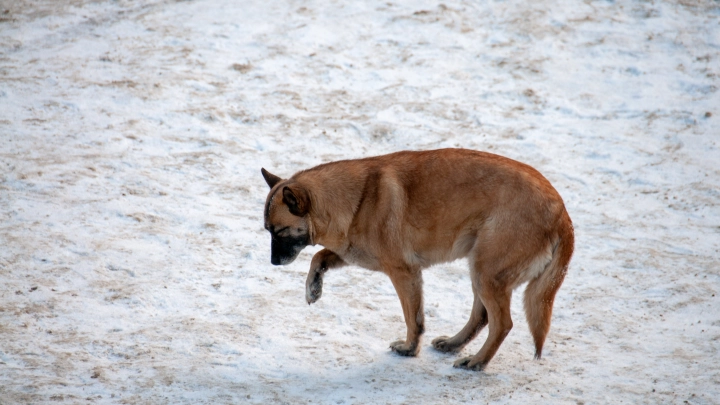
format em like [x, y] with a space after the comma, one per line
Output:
[297, 199]
[270, 178]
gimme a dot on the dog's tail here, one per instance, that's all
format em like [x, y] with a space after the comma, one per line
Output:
[540, 292]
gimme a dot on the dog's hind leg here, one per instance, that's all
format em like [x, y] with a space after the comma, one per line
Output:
[496, 299]
[323, 261]
[494, 288]
[408, 284]
[478, 320]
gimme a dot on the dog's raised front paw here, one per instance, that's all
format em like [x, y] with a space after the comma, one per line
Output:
[313, 286]
[467, 363]
[313, 292]
[404, 349]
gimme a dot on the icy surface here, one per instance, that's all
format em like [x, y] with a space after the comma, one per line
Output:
[134, 267]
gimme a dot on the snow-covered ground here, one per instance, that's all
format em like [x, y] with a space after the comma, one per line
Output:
[134, 267]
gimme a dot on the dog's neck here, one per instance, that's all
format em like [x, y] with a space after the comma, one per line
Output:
[334, 200]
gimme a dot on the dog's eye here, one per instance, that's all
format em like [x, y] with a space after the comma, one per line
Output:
[282, 232]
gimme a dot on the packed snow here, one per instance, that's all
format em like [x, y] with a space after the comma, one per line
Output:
[134, 267]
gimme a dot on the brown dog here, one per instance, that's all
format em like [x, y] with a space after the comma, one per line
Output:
[406, 211]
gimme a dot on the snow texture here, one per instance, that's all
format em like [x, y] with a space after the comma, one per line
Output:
[134, 267]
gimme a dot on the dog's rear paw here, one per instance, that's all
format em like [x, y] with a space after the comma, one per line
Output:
[441, 344]
[404, 349]
[468, 363]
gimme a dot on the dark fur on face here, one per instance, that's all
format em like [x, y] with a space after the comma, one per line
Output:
[285, 218]
[285, 247]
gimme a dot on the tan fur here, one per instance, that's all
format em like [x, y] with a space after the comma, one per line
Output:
[403, 212]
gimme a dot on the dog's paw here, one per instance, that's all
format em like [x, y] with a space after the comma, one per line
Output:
[468, 363]
[313, 290]
[441, 344]
[404, 349]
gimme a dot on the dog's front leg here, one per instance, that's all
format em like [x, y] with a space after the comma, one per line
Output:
[408, 284]
[323, 261]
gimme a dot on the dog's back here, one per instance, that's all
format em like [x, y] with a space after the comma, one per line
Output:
[433, 206]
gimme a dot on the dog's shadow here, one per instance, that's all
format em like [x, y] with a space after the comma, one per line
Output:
[388, 378]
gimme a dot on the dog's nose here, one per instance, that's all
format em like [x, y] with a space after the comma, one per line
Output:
[275, 260]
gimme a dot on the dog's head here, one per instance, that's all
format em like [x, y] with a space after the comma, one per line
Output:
[286, 218]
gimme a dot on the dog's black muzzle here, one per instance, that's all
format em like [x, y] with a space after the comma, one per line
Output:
[285, 250]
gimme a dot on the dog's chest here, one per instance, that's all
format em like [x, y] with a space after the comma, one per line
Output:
[360, 257]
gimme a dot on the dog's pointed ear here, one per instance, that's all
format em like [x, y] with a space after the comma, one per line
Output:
[297, 199]
[270, 178]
